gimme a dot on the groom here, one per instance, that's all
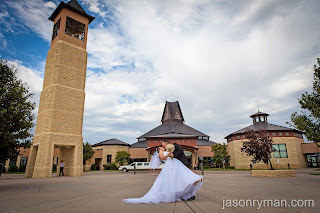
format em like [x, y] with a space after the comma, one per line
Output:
[179, 154]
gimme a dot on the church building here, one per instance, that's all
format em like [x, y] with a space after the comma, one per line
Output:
[196, 145]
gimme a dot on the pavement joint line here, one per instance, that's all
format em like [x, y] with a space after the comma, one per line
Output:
[214, 199]
[190, 206]
[74, 197]
[174, 207]
[197, 206]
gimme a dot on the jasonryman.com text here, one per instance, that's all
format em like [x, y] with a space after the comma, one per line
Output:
[227, 203]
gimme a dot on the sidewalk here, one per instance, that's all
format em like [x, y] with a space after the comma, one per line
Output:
[104, 191]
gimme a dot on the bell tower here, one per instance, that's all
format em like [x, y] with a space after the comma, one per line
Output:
[60, 115]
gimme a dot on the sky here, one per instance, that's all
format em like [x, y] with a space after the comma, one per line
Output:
[219, 58]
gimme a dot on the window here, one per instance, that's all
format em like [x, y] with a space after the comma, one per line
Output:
[146, 164]
[139, 164]
[75, 28]
[142, 139]
[281, 151]
[205, 138]
[56, 29]
[286, 133]
[238, 137]
[109, 158]
[273, 134]
[243, 136]
[280, 133]
[23, 160]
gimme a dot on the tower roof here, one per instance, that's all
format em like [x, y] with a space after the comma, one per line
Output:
[73, 5]
[172, 112]
[172, 125]
[259, 113]
[173, 129]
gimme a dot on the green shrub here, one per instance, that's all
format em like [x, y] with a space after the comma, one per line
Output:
[106, 166]
[54, 167]
[3, 169]
[94, 167]
[114, 166]
[13, 168]
[206, 167]
[229, 167]
[22, 168]
[110, 166]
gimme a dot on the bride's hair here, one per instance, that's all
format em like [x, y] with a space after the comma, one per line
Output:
[170, 148]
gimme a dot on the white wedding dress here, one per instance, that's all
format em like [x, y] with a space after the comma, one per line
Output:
[175, 182]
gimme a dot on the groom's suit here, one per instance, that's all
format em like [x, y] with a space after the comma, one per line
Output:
[179, 154]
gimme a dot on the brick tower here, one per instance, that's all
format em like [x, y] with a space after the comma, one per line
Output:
[60, 115]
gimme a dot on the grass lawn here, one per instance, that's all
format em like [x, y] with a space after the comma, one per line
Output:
[92, 171]
[13, 173]
[317, 169]
[314, 174]
[226, 170]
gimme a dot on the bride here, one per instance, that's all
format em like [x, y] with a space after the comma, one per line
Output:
[175, 182]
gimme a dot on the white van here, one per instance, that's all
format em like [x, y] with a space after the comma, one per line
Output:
[139, 166]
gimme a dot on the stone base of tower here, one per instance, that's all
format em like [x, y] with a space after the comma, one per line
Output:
[40, 161]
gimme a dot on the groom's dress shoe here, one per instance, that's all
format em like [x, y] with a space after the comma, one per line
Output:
[192, 198]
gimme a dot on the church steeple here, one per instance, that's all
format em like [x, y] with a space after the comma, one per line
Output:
[259, 117]
[70, 24]
[172, 112]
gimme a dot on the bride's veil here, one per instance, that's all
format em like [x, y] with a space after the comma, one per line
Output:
[155, 160]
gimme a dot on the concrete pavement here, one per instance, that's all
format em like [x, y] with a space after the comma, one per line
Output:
[104, 191]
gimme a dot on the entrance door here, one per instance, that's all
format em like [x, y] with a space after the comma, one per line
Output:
[98, 162]
[313, 160]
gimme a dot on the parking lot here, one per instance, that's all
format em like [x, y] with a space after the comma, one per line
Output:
[104, 191]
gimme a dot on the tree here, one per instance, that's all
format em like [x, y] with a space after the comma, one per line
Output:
[87, 152]
[259, 146]
[122, 157]
[308, 122]
[16, 117]
[220, 153]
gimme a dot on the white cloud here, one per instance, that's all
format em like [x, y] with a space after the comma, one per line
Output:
[34, 14]
[50, 5]
[95, 7]
[216, 57]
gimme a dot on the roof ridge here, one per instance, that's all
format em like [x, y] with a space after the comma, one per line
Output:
[76, 5]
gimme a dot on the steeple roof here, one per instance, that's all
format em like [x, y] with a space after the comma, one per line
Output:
[73, 5]
[112, 141]
[172, 112]
[172, 125]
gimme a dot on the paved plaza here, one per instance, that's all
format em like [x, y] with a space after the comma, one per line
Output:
[104, 191]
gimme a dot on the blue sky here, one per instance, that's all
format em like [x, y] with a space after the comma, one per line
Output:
[216, 57]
